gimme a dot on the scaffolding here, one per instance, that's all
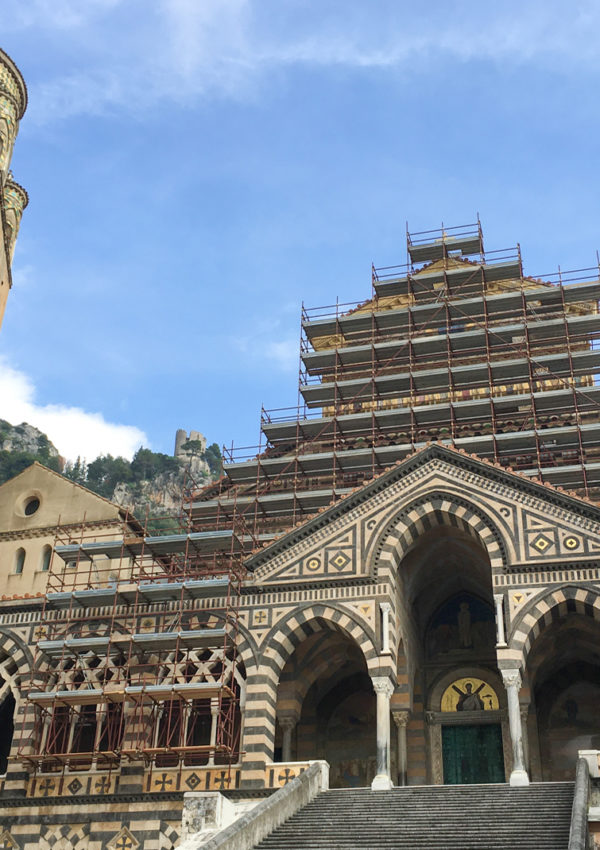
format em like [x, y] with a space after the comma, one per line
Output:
[136, 654]
[136, 657]
[456, 346]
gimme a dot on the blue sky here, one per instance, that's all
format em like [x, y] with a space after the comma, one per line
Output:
[198, 168]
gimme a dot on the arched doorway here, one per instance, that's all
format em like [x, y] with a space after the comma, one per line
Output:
[448, 606]
[564, 669]
[326, 708]
[8, 703]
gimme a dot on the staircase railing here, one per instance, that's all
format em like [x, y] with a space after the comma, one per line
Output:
[579, 834]
[252, 827]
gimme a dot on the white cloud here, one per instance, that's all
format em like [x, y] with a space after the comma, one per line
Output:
[134, 54]
[74, 432]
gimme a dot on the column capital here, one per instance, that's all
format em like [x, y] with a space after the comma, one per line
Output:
[288, 721]
[385, 606]
[401, 718]
[512, 678]
[382, 685]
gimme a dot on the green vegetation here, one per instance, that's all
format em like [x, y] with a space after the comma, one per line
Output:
[102, 475]
[11, 463]
[214, 460]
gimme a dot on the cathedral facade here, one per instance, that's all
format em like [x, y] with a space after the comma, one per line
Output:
[403, 579]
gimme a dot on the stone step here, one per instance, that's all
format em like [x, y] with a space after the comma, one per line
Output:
[459, 817]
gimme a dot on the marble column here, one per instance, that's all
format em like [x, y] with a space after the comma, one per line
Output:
[512, 683]
[214, 717]
[385, 627]
[401, 720]
[500, 634]
[383, 689]
[288, 724]
[525, 732]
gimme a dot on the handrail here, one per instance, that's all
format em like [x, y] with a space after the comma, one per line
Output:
[579, 834]
[245, 832]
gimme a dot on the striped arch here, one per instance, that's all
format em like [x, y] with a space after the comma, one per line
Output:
[263, 679]
[303, 622]
[246, 647]
[16, 662]
[320, 666]
[436, 509]
[554, 605]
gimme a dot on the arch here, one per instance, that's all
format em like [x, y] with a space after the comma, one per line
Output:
[320, 665]
[19, 654]
[19, 560]
[287, 634]
[551, 606]
[46, 557]
[434, 509]
[10, 696]
[444, 680]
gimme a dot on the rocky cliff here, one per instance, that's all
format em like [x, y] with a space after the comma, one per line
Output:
[150, 483]
[20, 445]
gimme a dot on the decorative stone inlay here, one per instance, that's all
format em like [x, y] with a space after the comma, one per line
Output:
[123, 840]
[542, 543]
[7, 842]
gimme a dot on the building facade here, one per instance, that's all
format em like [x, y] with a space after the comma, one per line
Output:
[403, 579]
[13, 197]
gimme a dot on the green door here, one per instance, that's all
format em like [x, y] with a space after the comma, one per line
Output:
[472, 754]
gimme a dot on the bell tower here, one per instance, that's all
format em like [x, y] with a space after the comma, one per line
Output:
[13, 197]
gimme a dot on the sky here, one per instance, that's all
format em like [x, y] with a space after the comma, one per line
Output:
[197, 169]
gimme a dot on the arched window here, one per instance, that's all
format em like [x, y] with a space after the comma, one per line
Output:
[19, 560]
[46, 556]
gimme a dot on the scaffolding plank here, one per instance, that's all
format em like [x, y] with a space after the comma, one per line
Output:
[191, 639]
[470, 343]
[436, 248]
[201, 542]
[471, 376]
[420, 314]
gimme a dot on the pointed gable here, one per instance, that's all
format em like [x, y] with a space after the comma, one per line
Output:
[527, 523]
[60, 500]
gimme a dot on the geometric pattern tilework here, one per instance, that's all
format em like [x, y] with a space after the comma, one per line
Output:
[64, 837]
[200, 779]
[73, 785]
[546, 538]
[142, 825]
[123, 840]
[7, 842]
[336, 558]
[169, 836]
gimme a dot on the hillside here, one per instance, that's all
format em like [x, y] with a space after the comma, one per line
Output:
[21, 445]
[152, 482]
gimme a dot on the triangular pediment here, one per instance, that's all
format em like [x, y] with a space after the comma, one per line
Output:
[533, 523]
[59, 500]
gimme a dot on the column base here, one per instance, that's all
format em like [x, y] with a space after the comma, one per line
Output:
[382, 782]
[519, 778]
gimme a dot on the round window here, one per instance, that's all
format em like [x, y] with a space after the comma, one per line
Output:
[31, 506]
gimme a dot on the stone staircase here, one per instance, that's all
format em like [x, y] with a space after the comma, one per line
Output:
[451, 817]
